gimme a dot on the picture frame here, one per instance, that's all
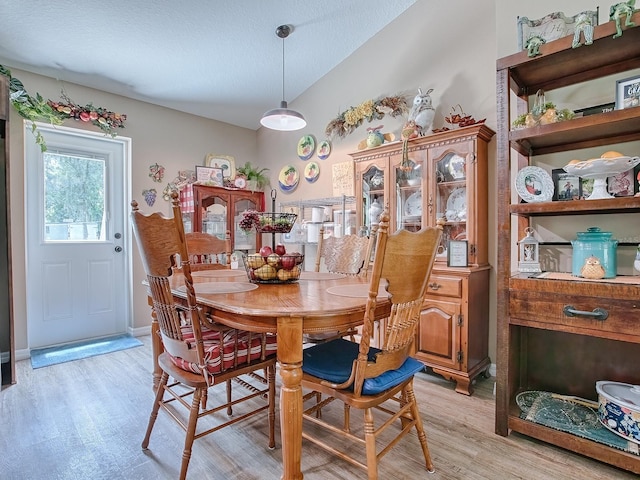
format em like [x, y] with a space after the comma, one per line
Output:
[636, 180]
[226, 162]
[621, 185]
[212, 176]
[566, 186]
[458, 253]
[628, 92]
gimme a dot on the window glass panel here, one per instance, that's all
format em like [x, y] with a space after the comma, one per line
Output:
[74, 198]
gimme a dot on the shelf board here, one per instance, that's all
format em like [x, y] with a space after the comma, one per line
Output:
[577, 207]
[591, 131]
[583, 446]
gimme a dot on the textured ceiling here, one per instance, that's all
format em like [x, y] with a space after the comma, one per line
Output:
[217, 59]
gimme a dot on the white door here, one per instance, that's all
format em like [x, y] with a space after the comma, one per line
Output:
[76, 220]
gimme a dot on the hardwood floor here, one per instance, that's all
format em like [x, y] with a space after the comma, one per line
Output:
[86, 419]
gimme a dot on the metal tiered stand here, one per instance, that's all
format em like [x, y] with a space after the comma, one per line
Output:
[274, 268]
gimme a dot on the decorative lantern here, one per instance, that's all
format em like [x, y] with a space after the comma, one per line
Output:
[529, 253]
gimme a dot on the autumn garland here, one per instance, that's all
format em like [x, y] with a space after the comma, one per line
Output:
[369, 110]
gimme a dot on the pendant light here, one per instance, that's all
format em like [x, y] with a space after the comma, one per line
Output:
[283, 118]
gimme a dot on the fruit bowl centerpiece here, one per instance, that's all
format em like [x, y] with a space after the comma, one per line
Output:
[267, 266]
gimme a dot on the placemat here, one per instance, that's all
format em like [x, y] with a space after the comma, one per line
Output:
[571, 417]
[221, 287]
[358, 290]
[626, 279]
[223, 273]
[320, 276]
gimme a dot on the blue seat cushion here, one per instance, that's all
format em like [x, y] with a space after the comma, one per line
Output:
[332, 361]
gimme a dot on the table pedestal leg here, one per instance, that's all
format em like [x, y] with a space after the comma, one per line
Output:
[290, 360]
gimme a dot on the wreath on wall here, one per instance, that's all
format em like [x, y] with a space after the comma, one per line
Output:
[369, 110]
[37, 108]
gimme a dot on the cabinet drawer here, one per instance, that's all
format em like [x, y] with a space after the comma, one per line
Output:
[444, 286]
[622, 315]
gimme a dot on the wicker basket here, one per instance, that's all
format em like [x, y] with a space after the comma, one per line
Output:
[271, 222]
[274, 269]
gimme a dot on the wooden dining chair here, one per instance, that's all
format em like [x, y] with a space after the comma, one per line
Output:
[198, 353]
[208, 252]
[371, 379]
[346, 255]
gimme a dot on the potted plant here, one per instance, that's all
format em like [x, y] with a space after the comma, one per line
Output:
[256, 178]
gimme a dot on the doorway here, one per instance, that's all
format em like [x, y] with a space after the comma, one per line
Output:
[78, 261]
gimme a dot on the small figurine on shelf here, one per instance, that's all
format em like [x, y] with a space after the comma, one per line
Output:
[533, 45]
[619, 10]
[592, 268]
[584, 24]
[422, 111]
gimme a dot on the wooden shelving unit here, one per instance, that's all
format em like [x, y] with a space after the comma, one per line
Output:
[540, 347]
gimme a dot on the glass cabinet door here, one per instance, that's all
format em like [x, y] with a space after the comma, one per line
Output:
[408, 194]
[214, 217]
[451, 199]
[245, 241]
[373, 197]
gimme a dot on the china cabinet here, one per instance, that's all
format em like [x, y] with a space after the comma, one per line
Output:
[7, 369]
[439, 176]
[552, 333]
[218, 210]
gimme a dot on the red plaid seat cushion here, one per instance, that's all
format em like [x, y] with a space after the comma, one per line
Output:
[235, 345]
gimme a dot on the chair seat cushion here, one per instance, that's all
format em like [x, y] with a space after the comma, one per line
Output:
[235, 345]
[332, 361]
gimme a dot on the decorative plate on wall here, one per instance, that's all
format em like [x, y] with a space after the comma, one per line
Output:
[311, 172]
[324, 150]
[306, 147]
[288, 178]
[226, 162]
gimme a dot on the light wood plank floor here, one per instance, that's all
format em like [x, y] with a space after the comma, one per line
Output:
[86, 419]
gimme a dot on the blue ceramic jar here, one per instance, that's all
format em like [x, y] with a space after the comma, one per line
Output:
[598, 244]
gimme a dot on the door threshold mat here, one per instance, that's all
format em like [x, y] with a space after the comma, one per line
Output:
[570, 415]
[44, 357]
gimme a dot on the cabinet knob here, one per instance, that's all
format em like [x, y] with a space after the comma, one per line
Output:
[433, 286]
[597, 314]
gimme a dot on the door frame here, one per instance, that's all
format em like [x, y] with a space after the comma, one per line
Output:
[127, 242]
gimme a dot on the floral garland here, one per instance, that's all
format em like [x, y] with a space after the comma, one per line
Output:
[36, 108]
[369, 110]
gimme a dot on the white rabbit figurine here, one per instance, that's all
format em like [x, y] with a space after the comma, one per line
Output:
[422, 111]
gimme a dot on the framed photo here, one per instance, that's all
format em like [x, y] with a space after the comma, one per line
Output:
[636, 180]
[226, 162]
[566, 186]
[628, 93]
[587, 186]
[457, 253]
[621, 185]
[209, 176]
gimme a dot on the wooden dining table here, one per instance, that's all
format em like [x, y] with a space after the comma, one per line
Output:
[316, 303]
